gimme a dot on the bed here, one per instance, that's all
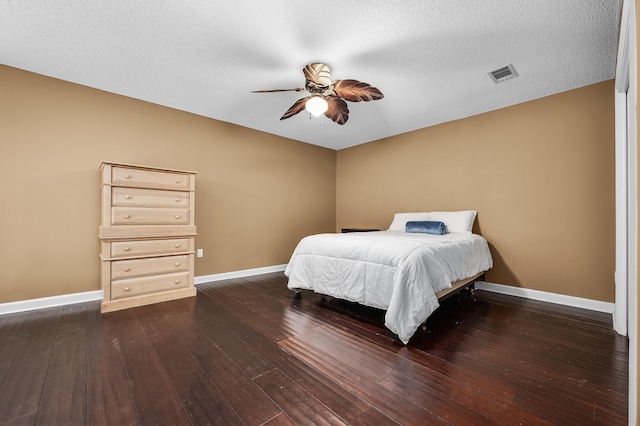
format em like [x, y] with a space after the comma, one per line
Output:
[401, 272]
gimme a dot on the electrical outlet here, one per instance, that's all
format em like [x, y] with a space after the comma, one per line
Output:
[200, 253]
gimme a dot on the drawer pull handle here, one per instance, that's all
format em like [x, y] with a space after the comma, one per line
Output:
[177, 200]
[127, 289]
[127, 176]
[126, 216]
[178, 181]
[177, 281]
[177, 245]
[127, 249]
[127, 197]
[127, 269]
[177, 217]
[177, 263]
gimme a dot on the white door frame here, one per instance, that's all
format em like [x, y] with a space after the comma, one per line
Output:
[620, 316]
[626, 313]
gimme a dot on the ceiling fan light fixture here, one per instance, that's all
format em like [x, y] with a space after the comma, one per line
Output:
[328, 96]
[316, 105]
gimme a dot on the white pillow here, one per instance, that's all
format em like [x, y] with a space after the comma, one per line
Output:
[400, 220]
[460, 222]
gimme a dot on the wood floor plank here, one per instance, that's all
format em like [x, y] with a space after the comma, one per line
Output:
[109, 397]
[199, 396]
[536, 358]
[280, 420]
[204, 348]
[344, 403]
[487, 396]
[249, 402]
[396, 407]
[445, 405]
[474, 339]
[454, 352]
[64, 398]
[450, 369]
[551, 358]
[13, 333]
[355, 356]
[503, 365]
[155, 399]
[349, 406]
[242, 354]
[23, 384]
[266, 315]
[249, 351]
[352, 355]
[300, 406]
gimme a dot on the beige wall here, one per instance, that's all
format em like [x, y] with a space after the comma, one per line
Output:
[540, 175]
[256, 194]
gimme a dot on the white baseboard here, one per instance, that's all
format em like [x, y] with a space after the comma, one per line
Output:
[89, 296]
[49, 302]
[239, 274]
[560, 299]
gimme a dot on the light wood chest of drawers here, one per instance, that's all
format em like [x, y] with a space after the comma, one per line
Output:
[146, 232]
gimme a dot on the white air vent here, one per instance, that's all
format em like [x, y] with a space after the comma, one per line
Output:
[502, 74]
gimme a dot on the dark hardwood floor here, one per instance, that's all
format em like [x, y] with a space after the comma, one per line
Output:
[246, 351]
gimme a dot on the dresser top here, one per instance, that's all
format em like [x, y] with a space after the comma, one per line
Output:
[136, 166]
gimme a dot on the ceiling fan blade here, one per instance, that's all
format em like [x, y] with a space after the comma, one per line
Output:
[338, 110]
[298, 89]
[295, 108]
[318, 77]
[356, 91]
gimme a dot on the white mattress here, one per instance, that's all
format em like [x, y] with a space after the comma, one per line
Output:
[396, 271]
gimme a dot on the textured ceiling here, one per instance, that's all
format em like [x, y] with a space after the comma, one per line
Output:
[430, 58]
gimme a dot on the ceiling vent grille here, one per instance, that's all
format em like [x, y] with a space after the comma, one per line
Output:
[503, 74]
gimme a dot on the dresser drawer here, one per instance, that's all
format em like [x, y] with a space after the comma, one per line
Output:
[136, 286]
[120, 249]
[124, 176]
[123, 269]
[149, 216]
[135, 197]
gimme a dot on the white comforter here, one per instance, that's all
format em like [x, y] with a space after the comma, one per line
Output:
[396, 271]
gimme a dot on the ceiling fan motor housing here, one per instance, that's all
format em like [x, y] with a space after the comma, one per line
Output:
[318, 78]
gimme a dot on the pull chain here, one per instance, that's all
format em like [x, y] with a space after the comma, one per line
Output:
[321, 120]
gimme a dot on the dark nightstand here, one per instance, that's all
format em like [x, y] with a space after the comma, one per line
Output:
[345, 230]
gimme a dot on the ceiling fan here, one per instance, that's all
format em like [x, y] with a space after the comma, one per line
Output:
[328, 97]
